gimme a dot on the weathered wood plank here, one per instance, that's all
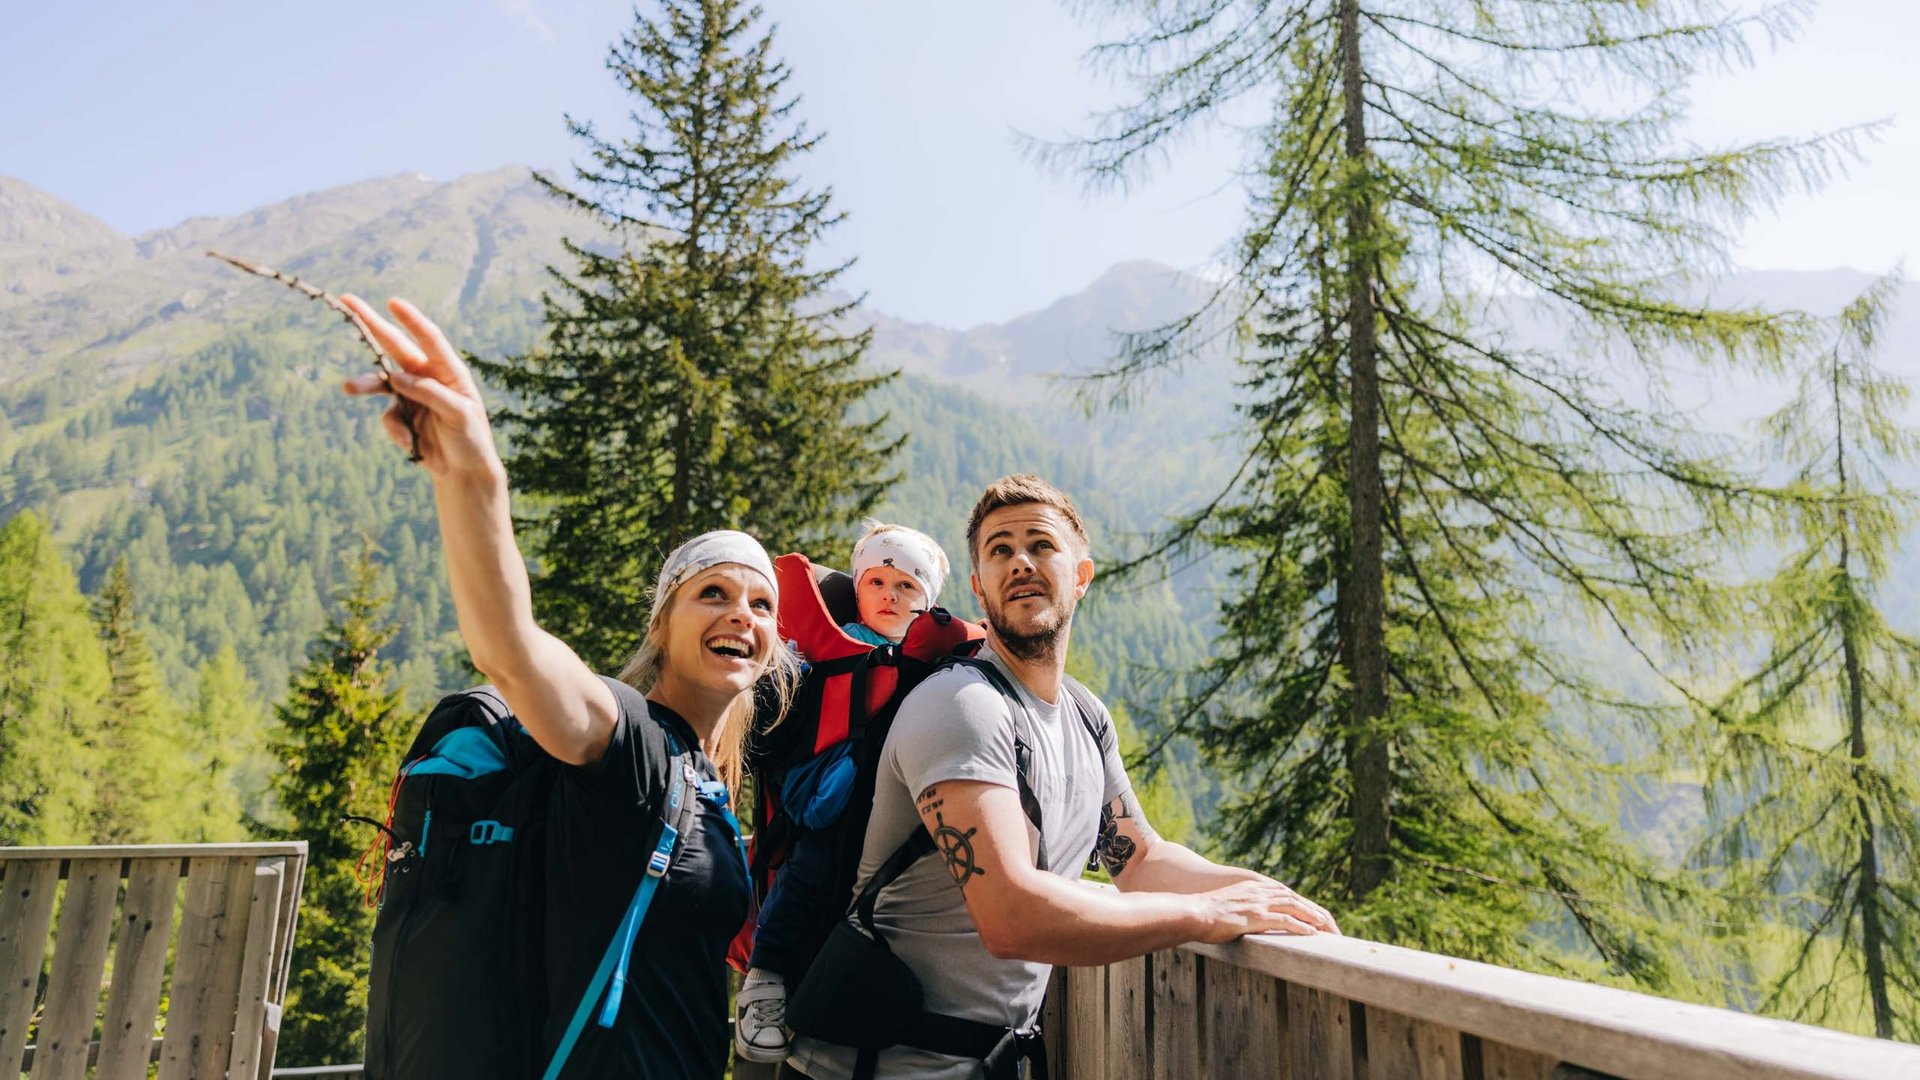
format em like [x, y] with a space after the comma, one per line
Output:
[1629, 1034]
[1177, 1022]
[1087, 1023]
[1053, 1022]
[1245, 1025]
[289, 918]
[250, 1017]
[207, 920]
[139, 967]
[79, 962]
[26, 911]
[1502, 1062]
[1129, 1046]
[1402, 1048]
[223, 993]
[158, 851]
[1320, 1034]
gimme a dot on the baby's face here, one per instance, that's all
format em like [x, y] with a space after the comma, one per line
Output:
[888, 600]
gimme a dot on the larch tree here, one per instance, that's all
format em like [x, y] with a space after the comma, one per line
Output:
[1454, 236]
[1812, 777]
[53, 685]
[693, 374]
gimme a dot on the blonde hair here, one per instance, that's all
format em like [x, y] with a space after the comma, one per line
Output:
[727, 746]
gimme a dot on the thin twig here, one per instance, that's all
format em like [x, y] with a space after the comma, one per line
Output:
[380, 358]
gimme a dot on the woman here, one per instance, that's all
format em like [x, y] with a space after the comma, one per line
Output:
[710, 638]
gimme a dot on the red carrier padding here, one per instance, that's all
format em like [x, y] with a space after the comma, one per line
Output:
[806, 620]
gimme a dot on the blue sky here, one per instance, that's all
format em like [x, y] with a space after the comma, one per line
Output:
[146, 113]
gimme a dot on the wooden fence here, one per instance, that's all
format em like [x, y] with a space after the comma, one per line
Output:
[205, 929]
[1330, 1008]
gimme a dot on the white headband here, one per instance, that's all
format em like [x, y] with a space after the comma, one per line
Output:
[713, 549]
[907, 551]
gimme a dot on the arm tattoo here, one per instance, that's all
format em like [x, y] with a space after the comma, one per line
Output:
[954, 846]
[1112, 849]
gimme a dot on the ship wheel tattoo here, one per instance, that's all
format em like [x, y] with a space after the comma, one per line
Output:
[957, 848]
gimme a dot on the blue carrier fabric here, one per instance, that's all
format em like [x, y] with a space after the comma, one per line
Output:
[458, 985]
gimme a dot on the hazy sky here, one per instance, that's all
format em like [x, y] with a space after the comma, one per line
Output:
[144, 113]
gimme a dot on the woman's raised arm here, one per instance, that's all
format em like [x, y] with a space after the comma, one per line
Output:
[562, 703]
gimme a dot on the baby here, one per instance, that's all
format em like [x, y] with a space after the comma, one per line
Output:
[898, 573]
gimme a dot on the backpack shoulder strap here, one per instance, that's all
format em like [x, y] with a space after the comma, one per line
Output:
[677, 811]
[1090, 711]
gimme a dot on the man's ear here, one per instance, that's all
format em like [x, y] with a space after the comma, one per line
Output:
[973, 582]
[1082, 576]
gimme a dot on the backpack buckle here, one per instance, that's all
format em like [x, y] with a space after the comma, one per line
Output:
[489, 832]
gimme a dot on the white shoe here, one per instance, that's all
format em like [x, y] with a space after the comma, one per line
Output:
[760, 1034]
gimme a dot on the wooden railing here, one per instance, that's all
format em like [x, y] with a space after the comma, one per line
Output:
[206, 928]
[1329, 1008]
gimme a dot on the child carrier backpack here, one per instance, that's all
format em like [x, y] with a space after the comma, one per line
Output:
[458, 984]
[836, 724]
[859, 995]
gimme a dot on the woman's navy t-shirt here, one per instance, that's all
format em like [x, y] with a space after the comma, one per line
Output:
[601, 827]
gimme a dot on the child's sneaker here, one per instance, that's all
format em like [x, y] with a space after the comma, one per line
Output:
[761, 1033]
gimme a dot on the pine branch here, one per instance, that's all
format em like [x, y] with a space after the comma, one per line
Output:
[314, 292]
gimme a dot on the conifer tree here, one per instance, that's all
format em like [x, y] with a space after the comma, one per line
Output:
[341, 735]
[226, 758]
[1812, 757]
[693, 375]
[142, 783]
[1434, 509]
[53, 678]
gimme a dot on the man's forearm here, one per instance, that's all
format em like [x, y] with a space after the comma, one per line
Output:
[1071, 923]
[1175, 868]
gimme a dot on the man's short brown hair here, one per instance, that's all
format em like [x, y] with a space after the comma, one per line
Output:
[1019, 490]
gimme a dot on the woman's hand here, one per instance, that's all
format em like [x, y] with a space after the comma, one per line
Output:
[448, 415]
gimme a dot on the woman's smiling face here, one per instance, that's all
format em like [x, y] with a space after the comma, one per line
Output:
[720, 632]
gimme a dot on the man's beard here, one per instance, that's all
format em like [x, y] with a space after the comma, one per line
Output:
[1033, 646]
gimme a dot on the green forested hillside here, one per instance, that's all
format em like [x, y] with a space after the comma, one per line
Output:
[237, 481]
[158, 407]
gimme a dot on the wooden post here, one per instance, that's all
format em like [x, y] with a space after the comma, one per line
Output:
[1087, 1023]
[1402, 1048]
[1129, 1039]
[1321, 1035]
[26, 910]
[1053, 1023]
[139, 966]
[1246, 1024]
[1178, 1024]
[250, 1017]
[79, 960]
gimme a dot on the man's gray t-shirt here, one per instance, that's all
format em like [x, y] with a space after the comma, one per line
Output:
[957, 726]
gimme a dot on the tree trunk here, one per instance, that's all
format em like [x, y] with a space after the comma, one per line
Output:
[1365, 587]
[1873, 935]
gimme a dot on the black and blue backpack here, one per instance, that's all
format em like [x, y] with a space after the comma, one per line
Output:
[458, 983]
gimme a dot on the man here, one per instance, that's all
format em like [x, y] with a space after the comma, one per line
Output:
[977, 920]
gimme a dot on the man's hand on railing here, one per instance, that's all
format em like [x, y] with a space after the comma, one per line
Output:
[1256, 907]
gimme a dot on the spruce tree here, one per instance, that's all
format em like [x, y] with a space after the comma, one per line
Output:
[1435, 513]
[143, 783]
[341, 735]
[693, 375]
[53, 680]
[1812, 757]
